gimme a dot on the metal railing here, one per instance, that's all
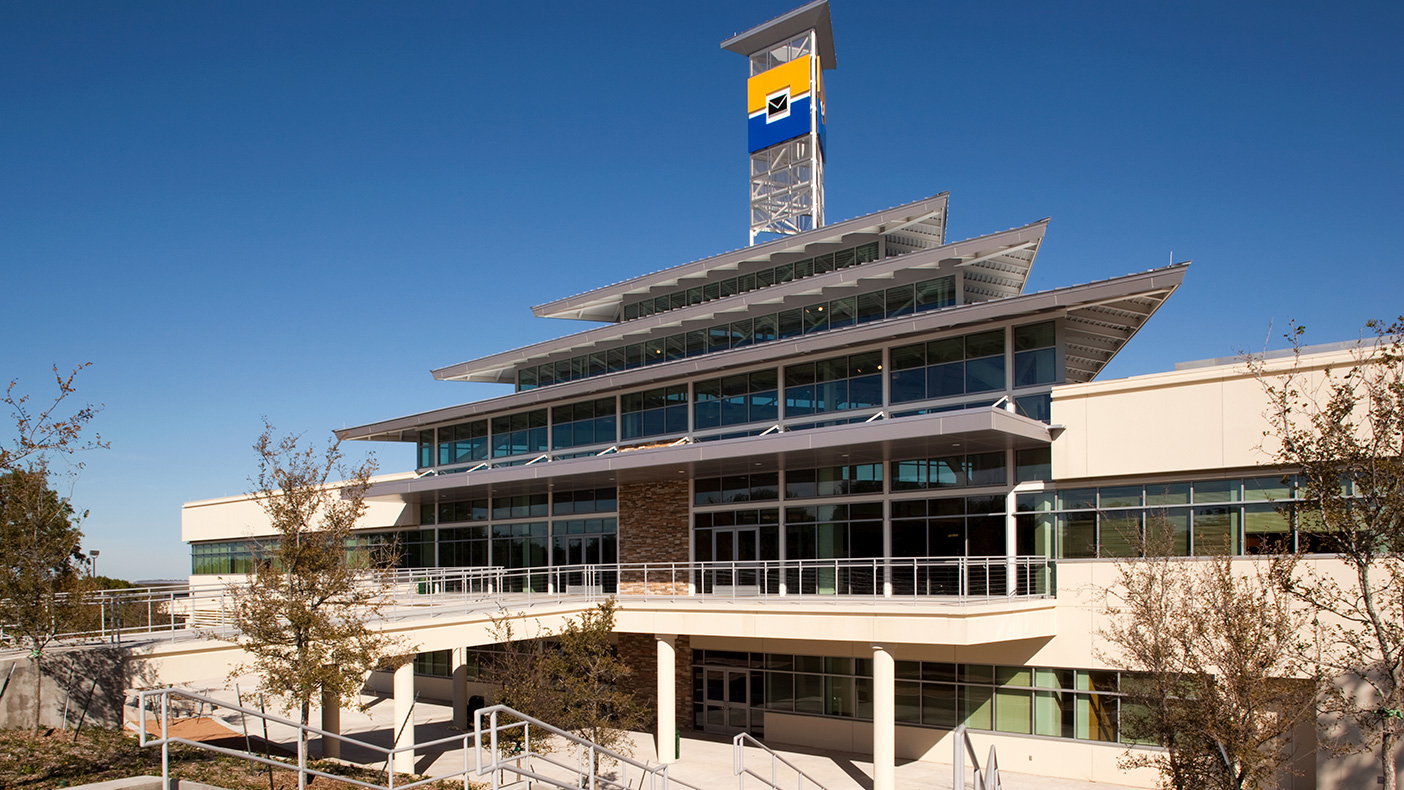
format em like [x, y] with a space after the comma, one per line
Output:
[439, 593]
[512, 753]
[167, 696]
[504, 746]
[738, 763]
[986, 778]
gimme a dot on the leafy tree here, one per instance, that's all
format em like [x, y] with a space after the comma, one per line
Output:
[41, 583]
[1342, 431]
[49, 431]
[1217, 675]
[304, 615]
[569, 679]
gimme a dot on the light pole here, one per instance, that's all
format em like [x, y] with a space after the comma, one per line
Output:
[92, 558]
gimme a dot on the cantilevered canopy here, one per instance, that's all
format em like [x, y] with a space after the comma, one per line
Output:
[814, 15]
[970, 431]
[995, 266]
[914, 226]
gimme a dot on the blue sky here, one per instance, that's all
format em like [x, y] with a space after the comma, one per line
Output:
[298, 209]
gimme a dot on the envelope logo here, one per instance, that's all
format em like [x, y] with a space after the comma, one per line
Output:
[777, 106]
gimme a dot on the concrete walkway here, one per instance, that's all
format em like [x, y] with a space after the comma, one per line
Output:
[705, 761]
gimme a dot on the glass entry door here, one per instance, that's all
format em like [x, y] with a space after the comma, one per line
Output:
[741, 547]
[727, 698]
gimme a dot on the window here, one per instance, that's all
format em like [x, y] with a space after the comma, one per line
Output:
[833, 481]
[736, 400]
[1035, 355]
[579, 424]
[519, 434]
[658, 412]
[948, 367]
[956, 471]
[761, 487]
[838, 384]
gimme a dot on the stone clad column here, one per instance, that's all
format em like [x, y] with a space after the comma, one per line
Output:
[403, 734]
[667, 700]
[884, 719]
[331, 722]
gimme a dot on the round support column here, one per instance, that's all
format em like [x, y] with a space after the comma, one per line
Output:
[331, 722]
[404, 711]
[884, 719]
[667, 698]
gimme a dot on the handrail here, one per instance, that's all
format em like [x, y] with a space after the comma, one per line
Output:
[738, 765]
[586, 766]
[588, 755]
[204, 610]
[987, 779]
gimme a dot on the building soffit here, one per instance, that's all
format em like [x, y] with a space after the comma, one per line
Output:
[972, 430]
[1098, 324]
[996, 266]
[603, 304]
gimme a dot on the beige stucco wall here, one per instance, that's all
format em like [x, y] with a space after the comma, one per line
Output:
[231, 518]
[1171, 423]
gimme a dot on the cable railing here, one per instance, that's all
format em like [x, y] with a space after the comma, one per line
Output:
[738, 764]
[440, 593]
[986, 778]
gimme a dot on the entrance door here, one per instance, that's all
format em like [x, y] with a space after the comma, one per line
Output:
[741, 548]
[727, 698]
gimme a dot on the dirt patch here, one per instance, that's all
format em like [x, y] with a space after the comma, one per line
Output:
[216, 733]
[52, 759]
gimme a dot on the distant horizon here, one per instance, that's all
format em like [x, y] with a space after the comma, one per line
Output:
[296, 211]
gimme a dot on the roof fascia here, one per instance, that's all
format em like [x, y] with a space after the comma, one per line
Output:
[573, 307]
[814, 15]
[488, 368]
[1165, 279]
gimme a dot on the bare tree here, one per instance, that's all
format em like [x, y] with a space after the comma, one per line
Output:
[1217, 675]
[1342, 431]
[305, 615]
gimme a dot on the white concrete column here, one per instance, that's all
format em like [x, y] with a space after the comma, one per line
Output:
[331, 722]
[884, 719]
[403, 733]
[667, 698]
[460, 688]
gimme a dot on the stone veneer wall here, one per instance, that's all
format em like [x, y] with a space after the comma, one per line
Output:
[640, 652]
[654, 528]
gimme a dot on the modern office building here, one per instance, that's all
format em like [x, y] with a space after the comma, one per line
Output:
[875, 479]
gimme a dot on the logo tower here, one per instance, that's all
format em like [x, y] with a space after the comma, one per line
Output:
[785, 117]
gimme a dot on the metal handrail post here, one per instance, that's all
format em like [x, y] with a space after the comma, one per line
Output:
[165, 741]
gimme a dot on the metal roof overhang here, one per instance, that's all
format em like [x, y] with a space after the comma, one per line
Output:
[996, 266]
[972, 430]
[1101, 318]
[603, 304]
[814, 15]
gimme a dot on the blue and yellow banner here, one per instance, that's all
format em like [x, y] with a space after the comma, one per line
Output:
[778, 103]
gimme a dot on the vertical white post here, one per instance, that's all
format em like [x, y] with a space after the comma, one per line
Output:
[667, 698]
[404, 709]
[884, 719]
[331, 722]
[460, 687]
